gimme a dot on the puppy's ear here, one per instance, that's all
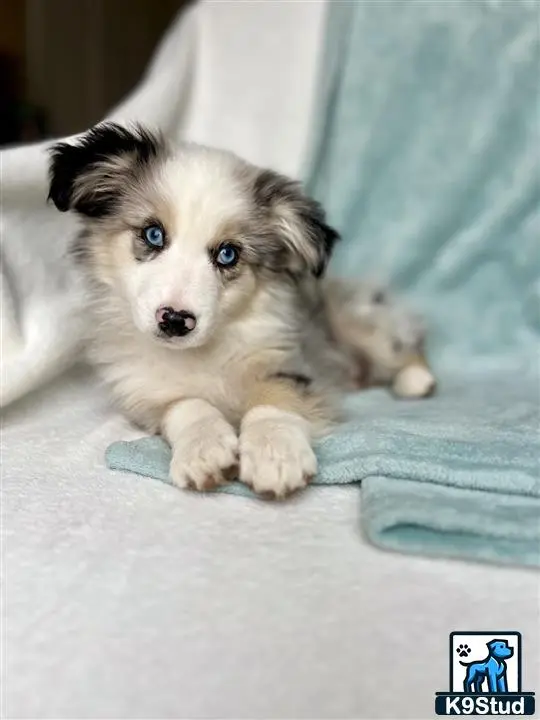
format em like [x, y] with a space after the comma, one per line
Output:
[298, 222]
[90, 175]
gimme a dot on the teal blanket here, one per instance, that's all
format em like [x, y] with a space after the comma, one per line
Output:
[431, 482]
[426, 153]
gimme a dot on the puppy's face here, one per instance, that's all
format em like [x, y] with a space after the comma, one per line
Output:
[183, 238]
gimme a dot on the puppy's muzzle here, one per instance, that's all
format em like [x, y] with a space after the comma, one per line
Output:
[175, 323]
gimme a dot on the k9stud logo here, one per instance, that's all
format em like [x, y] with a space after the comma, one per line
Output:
[485, 676]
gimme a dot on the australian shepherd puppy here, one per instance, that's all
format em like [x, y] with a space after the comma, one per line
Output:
[212, 321]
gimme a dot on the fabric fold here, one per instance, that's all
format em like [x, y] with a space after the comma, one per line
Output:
[426, 518]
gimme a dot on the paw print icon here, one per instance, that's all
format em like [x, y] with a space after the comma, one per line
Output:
[463, 651]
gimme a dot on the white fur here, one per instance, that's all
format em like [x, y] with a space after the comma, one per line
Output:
[275, 451]
[180, 279]
[146, 375]
[414, 381]
[199, 190]
[204, 444]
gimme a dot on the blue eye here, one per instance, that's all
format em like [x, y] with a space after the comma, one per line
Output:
[154, 236]
[227, 256]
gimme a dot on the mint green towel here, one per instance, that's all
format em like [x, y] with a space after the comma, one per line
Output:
[431, 481]
[426, 152]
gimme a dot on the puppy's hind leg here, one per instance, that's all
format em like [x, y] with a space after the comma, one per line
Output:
[415, 379]
[384, 340]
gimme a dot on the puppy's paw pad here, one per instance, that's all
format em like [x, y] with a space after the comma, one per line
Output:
[463, 650]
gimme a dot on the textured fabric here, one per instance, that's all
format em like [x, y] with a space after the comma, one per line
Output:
[429, 484]
[194, 90]
[427, 161]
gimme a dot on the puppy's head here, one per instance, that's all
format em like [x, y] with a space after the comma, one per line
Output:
[183, 237]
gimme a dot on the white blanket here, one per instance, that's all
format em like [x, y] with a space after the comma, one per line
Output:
[126, 598]
[238, 75]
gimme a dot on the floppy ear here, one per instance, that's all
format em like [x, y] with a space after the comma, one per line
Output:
[297, 221]
[89, 176]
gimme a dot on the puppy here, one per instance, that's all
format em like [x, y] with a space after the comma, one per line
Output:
[213, 324]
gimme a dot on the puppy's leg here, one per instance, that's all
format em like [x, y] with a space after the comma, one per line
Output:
[204, 445]
[383, 339]
[276, 457]
[414, 379]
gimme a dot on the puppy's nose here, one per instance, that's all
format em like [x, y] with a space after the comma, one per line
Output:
[175, 323]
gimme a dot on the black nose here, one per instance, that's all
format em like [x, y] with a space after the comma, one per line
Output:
[176, 323]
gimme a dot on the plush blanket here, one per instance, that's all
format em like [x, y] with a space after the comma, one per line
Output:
[427, 160]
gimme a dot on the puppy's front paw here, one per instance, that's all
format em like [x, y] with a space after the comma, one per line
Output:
[206, 456]
[276, 457]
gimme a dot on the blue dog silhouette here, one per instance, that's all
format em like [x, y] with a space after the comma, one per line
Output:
[492, 669]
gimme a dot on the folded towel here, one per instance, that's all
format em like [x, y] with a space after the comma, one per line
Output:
[457, 475]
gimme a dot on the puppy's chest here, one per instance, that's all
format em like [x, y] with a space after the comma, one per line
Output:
[211, 378]
[148, 382]
[146, 379]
